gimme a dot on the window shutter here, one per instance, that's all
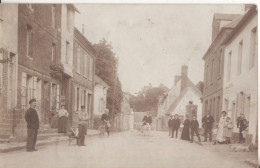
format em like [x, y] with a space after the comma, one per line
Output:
[58, 97]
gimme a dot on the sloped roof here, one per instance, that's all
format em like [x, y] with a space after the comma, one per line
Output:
[100, 81]
[178, 99]
[234, 22]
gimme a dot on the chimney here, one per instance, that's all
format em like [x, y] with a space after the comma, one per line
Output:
[184, 76]
[176, 79]
[82, 29]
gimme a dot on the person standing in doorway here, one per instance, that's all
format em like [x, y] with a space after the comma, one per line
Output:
[194, 126]
[105, 118]
[170, 122]
[82, 126]
[32, 120]
[175, 125]
[242, 124]
[207, 122]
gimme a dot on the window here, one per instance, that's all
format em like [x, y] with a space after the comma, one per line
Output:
[67, 51]
[85, 98]
[85, 65]
[253, 48]
[53, 96]
[91, 69]
[53, 51]
[219, 63]
[78, 104]
[24, 90]
[78, 52]
[212, 70]
[29, 42]
[226, 104]
[53, 15]
[68, 19]
[239, 61]
[1, 70]
[206, 76]
[58, 98]
[229, 66]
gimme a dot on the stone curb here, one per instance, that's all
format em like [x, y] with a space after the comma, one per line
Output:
[12, 149]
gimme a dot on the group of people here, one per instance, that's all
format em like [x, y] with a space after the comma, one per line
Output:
[189, 126]
[218, 133]
[32, 120]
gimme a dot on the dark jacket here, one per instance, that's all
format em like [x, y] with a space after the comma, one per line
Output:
[194, 124]
[207, 122]
[105, 117]
[170, 123]
[242, 124]
[32, 119]
[147, 119]
[176, 123]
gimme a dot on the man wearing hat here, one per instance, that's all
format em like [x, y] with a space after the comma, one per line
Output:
[175, 125]
[242, 124]
[170, 122]
[105, 118]
[207, 122]
[32, 120]
[82, 126]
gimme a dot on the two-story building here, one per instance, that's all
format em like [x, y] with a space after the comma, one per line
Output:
[83, 81]
[8, 67]
[212, 96]
[240, 80]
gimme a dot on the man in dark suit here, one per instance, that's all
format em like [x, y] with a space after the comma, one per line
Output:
[207, 122]
[242, 124]
[170, 122]
[194, 126]
[175, 125]
[32, 120]
[105, 118]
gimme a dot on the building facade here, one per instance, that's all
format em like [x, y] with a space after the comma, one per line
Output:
[240, 92]
[8, 67]
[212, 97]
[83, 81]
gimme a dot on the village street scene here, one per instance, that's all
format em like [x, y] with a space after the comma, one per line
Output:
[128, 85]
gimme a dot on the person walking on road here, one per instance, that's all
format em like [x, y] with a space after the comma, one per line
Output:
[207, 122]
[82, 126]
[170, 122]
[175, 125]
[105, 118]
[194, 126]
[32, 120]
[185, 135]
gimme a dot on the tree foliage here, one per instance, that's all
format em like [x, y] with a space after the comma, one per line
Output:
[106, 68]
[147, 98]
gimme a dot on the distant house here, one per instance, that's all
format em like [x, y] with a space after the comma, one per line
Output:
[175, 100]
[100, 98]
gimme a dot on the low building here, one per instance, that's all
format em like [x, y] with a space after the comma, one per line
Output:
[240, 84]
[83, 81]
[8, 68]
[100, 99]
[175, 100]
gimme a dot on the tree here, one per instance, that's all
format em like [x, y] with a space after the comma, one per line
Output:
[147, 99]
[106, 68]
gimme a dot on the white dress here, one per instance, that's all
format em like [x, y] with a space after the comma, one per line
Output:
[220, 136]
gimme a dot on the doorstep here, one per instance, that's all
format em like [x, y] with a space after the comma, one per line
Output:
[54, 138]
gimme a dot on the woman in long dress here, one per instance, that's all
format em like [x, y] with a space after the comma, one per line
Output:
[185, 135]
[63, 120]
[222, 122]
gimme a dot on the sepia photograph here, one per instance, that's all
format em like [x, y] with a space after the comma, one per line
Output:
[128, 85]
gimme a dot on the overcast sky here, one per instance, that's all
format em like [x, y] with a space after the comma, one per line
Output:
[153, 41]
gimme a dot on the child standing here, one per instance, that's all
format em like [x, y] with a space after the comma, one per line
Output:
[228, 130]
[194, 126]
[214, 133]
